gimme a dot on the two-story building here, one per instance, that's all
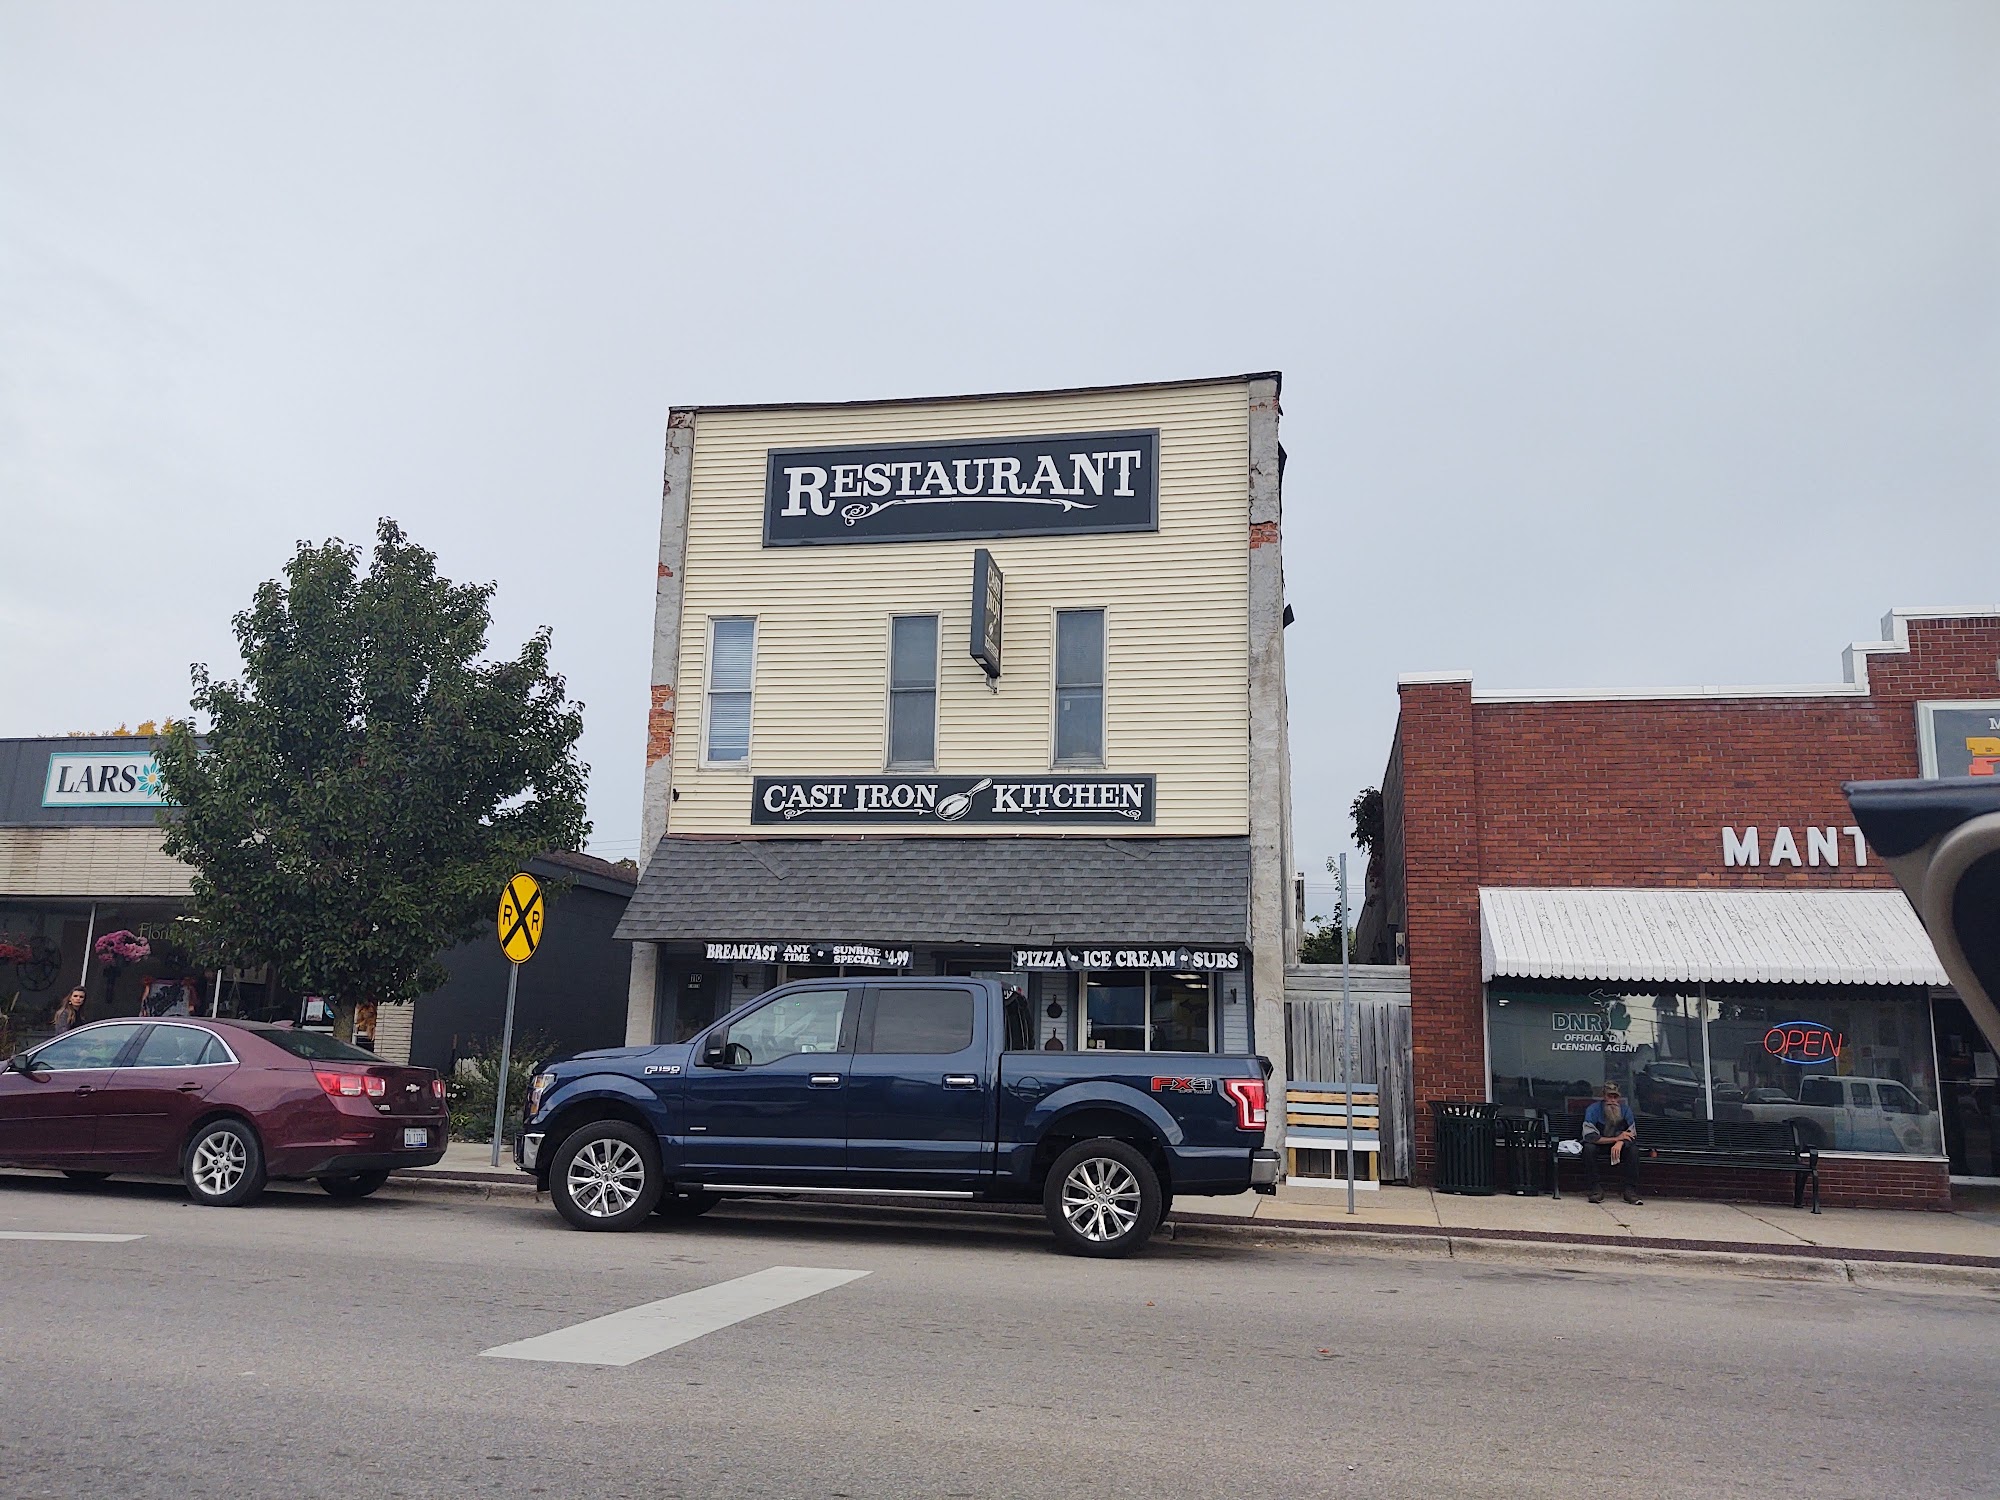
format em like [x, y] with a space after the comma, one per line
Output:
[986, 685]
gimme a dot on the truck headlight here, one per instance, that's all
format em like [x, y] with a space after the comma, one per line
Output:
[538, 1088]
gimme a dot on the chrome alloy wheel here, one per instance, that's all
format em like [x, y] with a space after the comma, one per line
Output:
[220, 1160]
[1100, 1199]
[606, 1178]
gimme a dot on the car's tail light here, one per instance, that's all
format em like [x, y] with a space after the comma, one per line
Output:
[1248, 1094]
[351, 1085]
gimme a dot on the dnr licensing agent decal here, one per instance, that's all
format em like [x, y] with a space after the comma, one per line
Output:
[924, 492]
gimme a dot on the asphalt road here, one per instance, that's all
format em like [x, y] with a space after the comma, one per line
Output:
[304, 1347]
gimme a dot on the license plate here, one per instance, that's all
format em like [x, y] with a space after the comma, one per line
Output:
[417, 1137]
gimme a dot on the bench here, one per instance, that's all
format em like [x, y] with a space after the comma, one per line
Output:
[1316, 1121]
[1740, 1145]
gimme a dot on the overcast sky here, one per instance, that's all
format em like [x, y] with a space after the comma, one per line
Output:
[1623, 345]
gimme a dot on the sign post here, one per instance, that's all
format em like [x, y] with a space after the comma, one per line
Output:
[1347, 1035]
[520, 929]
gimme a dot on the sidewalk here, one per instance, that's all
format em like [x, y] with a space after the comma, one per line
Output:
[1970, 1235]
[1967, 1236]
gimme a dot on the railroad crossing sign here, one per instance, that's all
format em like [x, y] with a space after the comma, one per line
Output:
[520, 923]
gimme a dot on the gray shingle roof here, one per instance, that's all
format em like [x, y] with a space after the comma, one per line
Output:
[988, 892]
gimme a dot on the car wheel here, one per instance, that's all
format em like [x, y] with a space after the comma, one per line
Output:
[1102, 1198]
[354, 1185]
[74, 1176]
[606, 1175]
[685, 1203]
[225, 1165]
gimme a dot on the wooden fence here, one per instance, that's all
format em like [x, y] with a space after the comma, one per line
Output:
[1381, 1045]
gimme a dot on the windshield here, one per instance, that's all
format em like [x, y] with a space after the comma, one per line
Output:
[315, 1045]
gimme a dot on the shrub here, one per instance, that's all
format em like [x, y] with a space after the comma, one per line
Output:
[470, 1090]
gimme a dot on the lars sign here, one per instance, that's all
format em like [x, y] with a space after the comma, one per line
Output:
[918, 492]
[1039, 800]
[103, 778]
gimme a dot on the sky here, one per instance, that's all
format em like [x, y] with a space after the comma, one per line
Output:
[1623, 346]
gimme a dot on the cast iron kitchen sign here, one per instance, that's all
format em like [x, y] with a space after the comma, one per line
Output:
[1959, 739]
[1037, 800]
[925, 492]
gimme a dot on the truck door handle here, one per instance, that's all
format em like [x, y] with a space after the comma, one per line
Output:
[824, 1080]
[961, 1080]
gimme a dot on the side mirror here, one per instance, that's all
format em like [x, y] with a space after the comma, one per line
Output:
[1941, 840]
[22, 1063]
[718, 1053]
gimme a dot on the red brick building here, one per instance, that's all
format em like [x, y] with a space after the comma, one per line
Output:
[1641, 886]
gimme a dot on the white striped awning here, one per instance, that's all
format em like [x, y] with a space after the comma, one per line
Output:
[1711, 936]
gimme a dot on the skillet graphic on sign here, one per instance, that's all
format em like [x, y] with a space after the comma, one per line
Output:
[1804, 1042]
[910, 492]
[1042, 800]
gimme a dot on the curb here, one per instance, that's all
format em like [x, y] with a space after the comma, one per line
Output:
[1881, 1269]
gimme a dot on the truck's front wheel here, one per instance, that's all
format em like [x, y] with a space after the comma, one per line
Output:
[1102, 1198]
[606, 1175]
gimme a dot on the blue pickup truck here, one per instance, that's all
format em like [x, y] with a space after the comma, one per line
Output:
[925, 1087]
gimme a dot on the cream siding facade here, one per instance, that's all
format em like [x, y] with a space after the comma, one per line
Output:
[1176, 614]
[83, 862]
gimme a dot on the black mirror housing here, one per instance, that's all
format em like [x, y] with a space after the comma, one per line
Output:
[1941, 840]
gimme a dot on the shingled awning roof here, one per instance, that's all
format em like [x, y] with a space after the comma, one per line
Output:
[978, 892]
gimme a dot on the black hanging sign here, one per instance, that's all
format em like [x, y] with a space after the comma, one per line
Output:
[986, 590]
[1066, 485]
[1041, 801]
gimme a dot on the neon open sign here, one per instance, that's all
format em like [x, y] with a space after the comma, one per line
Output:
[1803, 1042]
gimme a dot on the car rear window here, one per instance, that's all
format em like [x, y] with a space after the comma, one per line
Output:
[316, 1045]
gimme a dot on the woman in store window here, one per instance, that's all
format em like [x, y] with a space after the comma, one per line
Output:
[69, 1011]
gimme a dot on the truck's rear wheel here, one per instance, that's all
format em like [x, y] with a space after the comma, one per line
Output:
[606, 1175]
[1102, 1198]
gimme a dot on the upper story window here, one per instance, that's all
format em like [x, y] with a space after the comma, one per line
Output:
[1079, 687]
[913, 677]
[732, 652]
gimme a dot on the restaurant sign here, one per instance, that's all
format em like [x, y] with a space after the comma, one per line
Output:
[1066, 485]
[1166, 956]
[854, 955]
[1042, 801]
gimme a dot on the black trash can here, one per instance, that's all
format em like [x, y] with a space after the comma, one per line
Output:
[1524, 1143]
[1465, 1138]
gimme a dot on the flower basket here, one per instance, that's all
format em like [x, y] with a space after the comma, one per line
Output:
[12, 952]
[116, 949]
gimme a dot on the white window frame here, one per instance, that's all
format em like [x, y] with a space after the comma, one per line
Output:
[889, 763]
[708, 692]
[1083, 1009]
[1104, 688]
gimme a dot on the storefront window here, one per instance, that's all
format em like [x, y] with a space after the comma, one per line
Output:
[1851, 1064]
[1149, 1013]
[1115, 1011]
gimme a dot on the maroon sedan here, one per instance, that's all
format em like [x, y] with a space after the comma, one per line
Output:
[226, 1105]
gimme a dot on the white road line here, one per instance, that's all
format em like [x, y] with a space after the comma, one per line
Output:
[76, 1239]
[623, 1338]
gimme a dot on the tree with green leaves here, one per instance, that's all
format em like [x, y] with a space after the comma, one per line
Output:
[362, 792]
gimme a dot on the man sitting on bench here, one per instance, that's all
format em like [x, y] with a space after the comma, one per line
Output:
[1610, 1126]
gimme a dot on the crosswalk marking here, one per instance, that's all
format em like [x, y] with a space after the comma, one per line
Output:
[624, 1338]
[75, 1239]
